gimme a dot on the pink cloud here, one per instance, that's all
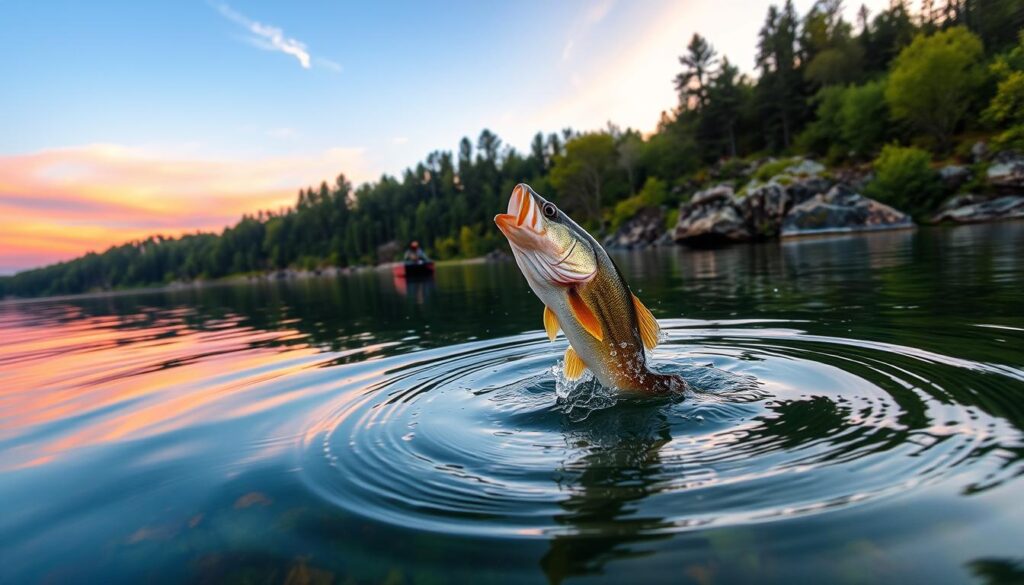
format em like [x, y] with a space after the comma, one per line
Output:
[58, 204]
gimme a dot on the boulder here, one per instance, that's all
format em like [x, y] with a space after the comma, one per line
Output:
[711, 217]
[802, 189]
[763, 208]
[841, 210]
[856, 177]
[497, 255]
[644, 229]
[976, 209]
[711, 195]
[1007, 171]
[961, 200]
[953, 176]
[979, 150]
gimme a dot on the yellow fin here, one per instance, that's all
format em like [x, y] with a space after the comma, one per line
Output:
[550, 323]
[586, 318]
[649, 328]
[574, 366]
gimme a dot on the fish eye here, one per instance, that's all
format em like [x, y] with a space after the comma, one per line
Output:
[550, 211]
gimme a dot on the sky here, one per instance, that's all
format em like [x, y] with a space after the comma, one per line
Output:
[122, 119]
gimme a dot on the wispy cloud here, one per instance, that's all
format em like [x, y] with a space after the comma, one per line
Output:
[594, 14]
[60, 203]
[272, 38]
[400, 140]
[328, 64]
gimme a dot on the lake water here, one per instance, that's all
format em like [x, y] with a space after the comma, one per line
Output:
[858, 418]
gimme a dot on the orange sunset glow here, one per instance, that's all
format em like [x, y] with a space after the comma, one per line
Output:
[58, 204]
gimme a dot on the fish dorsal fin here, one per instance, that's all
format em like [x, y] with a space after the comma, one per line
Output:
[586, 318]
[574, 366]
[649, 328]
[550, 323]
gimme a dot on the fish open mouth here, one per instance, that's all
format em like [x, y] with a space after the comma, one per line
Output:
[522, 212]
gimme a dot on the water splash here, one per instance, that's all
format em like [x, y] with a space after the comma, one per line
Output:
[773, 425]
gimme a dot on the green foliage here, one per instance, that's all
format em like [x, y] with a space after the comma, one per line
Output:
[864, 118]
[850, 121]
[692, 83]
[445, 248]
[812, 90]
[832, 55]
[671, 218]
[584, 176]
[467, 242]
[823, 136]
[773, 168]
[1006, 110]
[934, 81]
[653, 194]
[904, 179]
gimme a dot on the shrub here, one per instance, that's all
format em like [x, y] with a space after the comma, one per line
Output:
[652, 194]
[864, 118]
[934, 80]
[848, 121]
[1006, 110]
[775, 167]
[905, 180]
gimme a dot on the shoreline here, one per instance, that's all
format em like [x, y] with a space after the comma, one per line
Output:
[292, 275]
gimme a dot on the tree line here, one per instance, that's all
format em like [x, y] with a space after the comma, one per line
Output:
[935, 79]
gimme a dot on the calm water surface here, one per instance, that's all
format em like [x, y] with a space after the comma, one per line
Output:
[858, 418]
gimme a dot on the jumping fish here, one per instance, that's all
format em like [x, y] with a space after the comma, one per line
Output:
[584, 295]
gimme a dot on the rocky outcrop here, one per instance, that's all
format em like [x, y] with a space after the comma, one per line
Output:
[801, 189]
[497, 255]
[711, 217]
[718, 215]
[953, 176]
[763, 208]
[805, 167]
[1007, 171]
[645, 229]
[979, 150]
[841, 210]
[975, 209]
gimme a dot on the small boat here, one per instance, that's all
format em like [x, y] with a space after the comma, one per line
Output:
[413, 270]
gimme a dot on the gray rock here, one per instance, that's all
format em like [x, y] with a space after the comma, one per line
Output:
[1007, 171]
[979, 151]
[953, 176]
[802, 189]
[763, 208]
[856, 177]
[711, 217]
[806, 167]
[961, 200]
[841, 210]
[711, 195]
[644, 229]
[975, 209]
[497, 255]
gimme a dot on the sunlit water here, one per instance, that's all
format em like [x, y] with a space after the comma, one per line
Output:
[856, 415]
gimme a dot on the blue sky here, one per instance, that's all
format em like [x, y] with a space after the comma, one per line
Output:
[104, 97]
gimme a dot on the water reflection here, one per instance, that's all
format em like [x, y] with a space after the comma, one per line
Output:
[345, 427]
[620, 465]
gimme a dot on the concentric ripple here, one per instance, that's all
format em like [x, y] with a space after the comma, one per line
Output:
[484, 439]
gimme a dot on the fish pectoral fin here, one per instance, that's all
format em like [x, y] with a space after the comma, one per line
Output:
[550, 323]
[649, 328]
[574, 366]
[584, 316]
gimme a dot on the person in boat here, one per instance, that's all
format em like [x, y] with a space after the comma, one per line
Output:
[415, 254]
